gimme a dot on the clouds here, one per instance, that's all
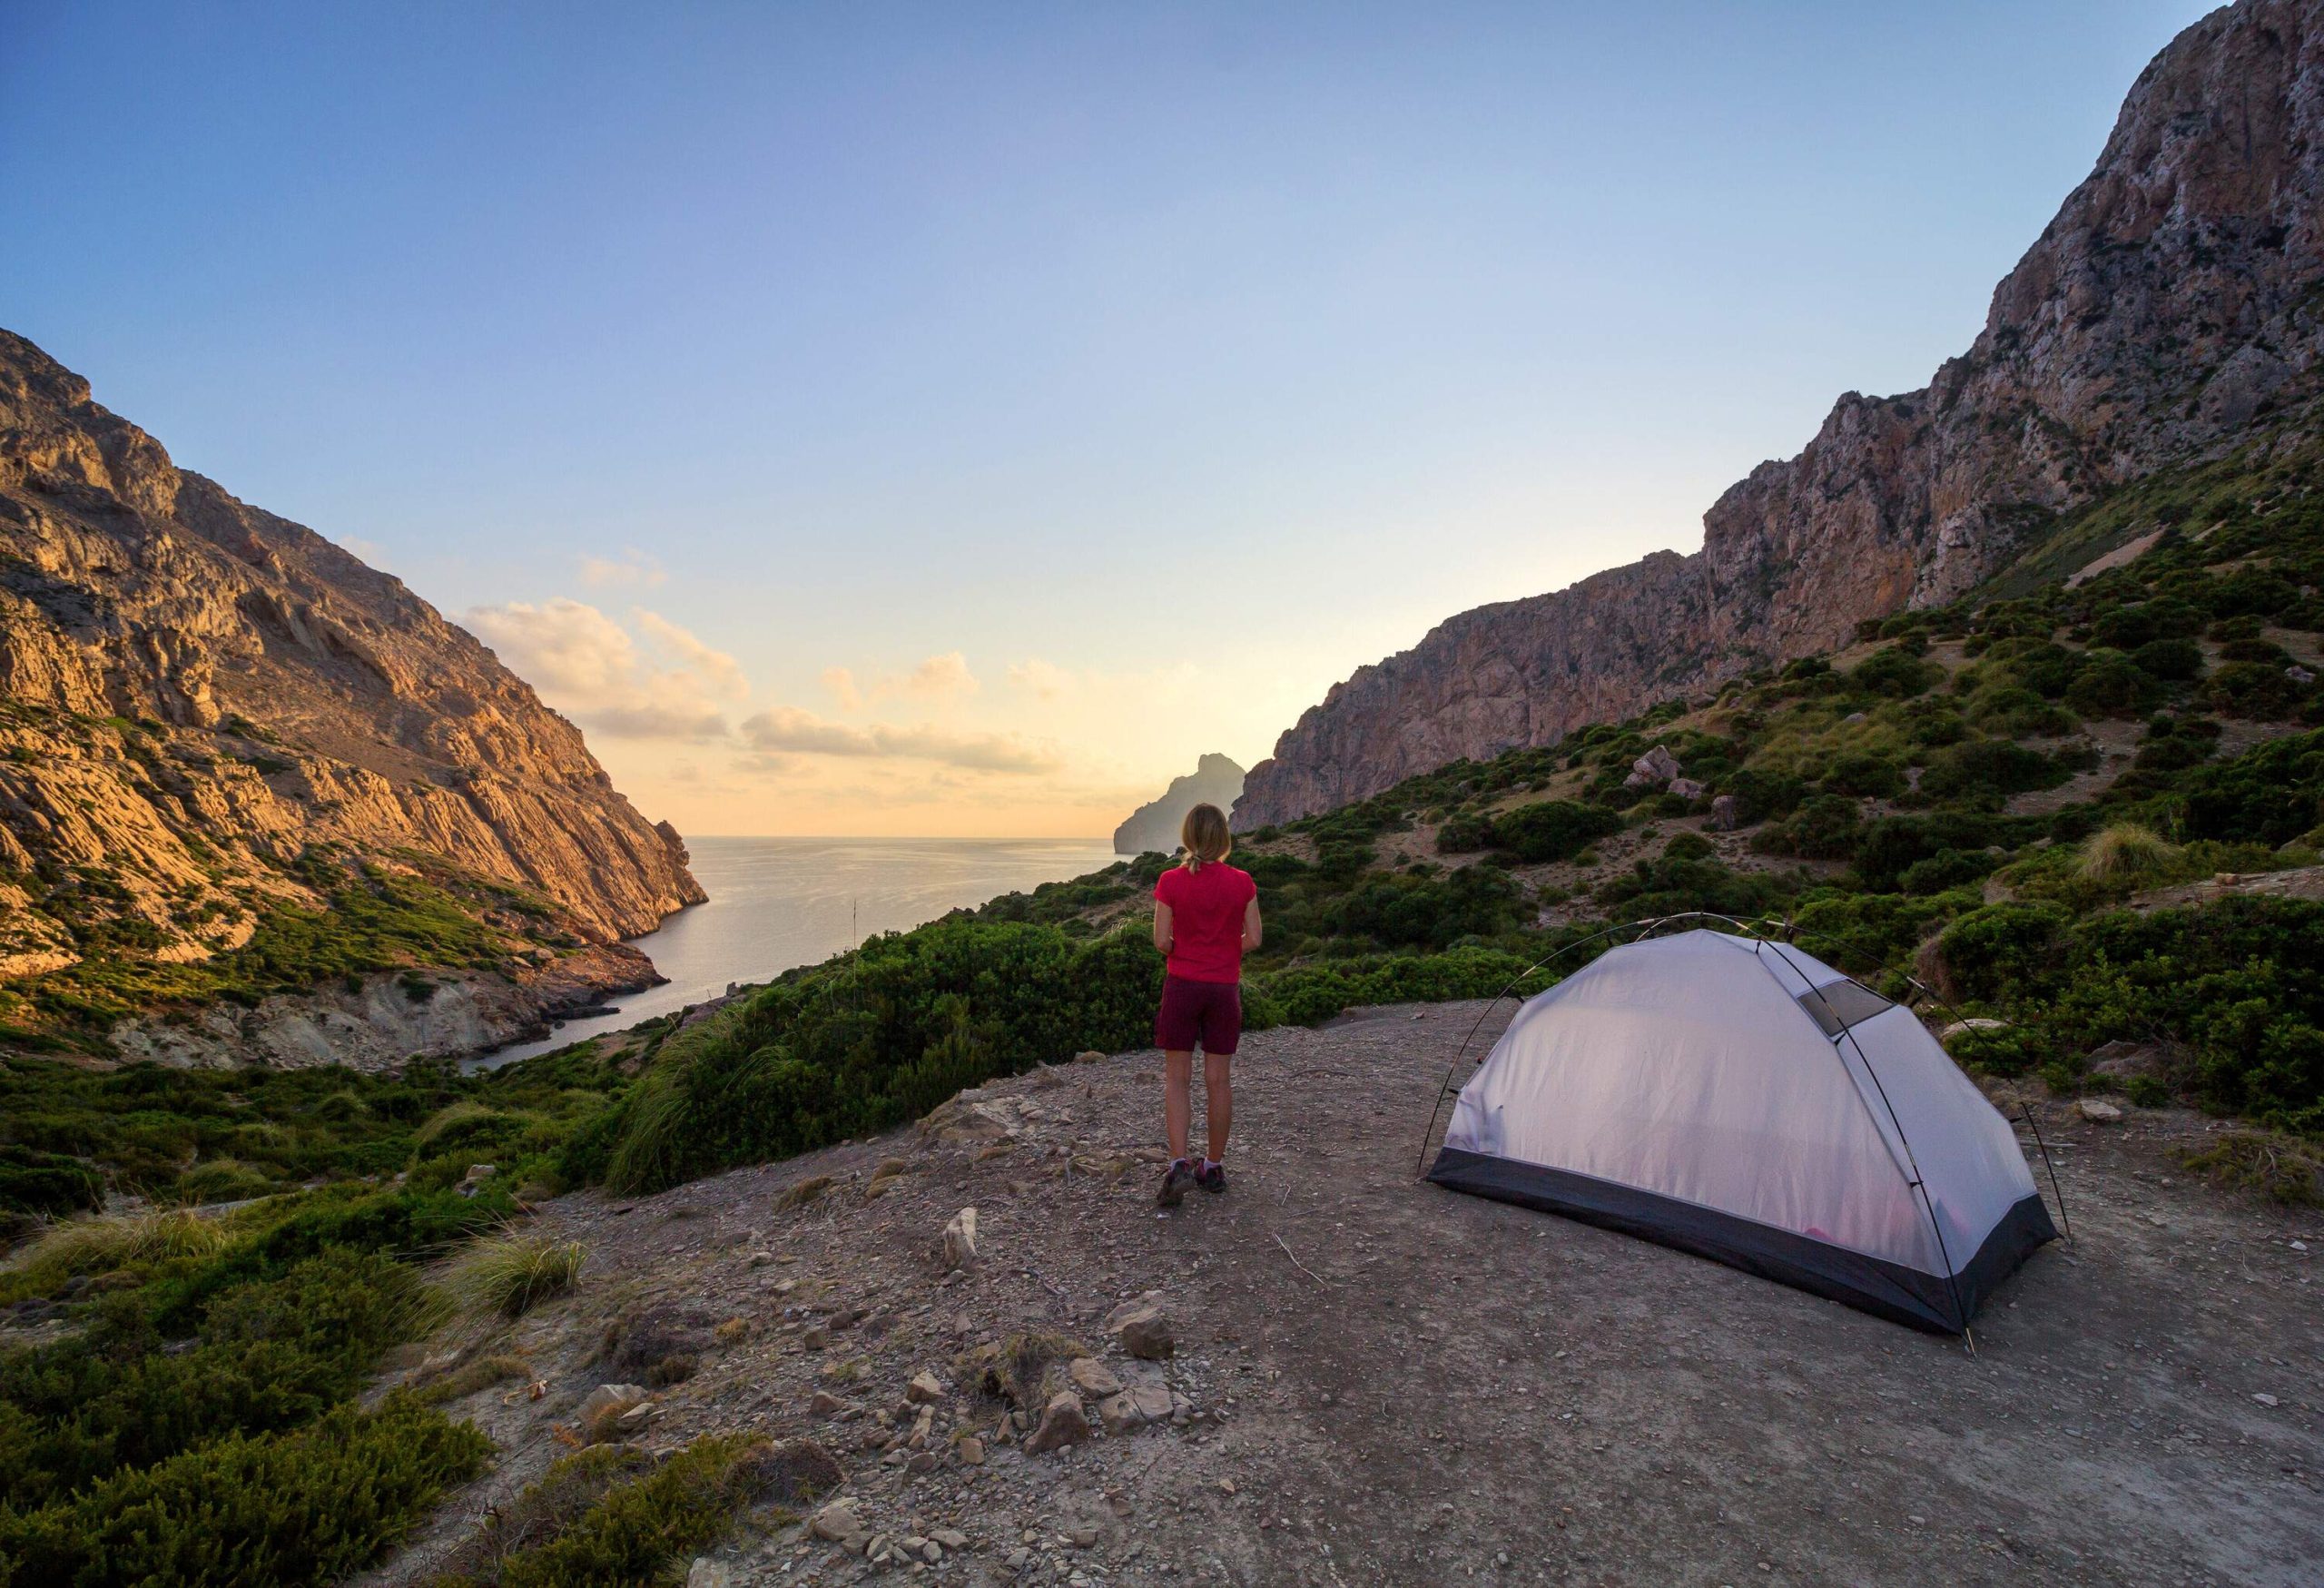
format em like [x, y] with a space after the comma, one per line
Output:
[633, 567]
[662, 683]
[786, 730]
[942, 680]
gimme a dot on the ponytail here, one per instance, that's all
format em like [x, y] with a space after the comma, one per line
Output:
[1204, 836]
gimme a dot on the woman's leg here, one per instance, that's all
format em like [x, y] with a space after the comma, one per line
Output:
[1219, 1089]
[1177, 1098]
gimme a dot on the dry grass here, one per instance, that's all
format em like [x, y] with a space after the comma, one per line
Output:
[2280, 1167]
[511, 1273]
[470, 1377]
[2129, 854]
[102, 1242]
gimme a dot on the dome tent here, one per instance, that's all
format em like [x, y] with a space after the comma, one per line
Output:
[1735, 1098]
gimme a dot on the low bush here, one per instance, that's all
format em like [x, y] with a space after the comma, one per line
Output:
[255, 1511]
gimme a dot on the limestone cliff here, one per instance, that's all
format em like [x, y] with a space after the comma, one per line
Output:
[2177, 297]
[1154, 826]
[198, 700]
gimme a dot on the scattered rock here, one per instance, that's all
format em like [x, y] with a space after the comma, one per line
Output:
[1143, 1328]
[967, 1117]
[960, 1240]
[824, 1404]
[2100, 1111]
[2122, 1061]
[1092, 1377]
[610, 1400]
[925, 1389]
[1687, 788]
[970, 1450]
[1063, 1423]
[2267, 1400]
[837, 1521]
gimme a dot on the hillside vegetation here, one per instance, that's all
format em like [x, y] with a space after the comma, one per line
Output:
[2023, 802]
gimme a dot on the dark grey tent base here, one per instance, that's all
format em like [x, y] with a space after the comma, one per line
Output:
[1885, 1289]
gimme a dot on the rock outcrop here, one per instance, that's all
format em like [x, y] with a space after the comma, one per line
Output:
[199, 699]
[2170, 304]
[1153, 827]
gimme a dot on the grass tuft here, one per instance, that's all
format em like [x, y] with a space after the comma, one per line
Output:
[2129, 854]
[99, 1243]
[511, 1273]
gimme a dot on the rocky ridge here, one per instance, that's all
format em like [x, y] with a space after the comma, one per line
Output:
[1153, 827]
[196, 695]
[2172, 303]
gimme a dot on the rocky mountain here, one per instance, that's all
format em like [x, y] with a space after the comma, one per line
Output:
[2176, 300]
[1154, 827]
[210, 716]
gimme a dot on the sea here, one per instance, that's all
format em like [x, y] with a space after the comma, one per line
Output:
[780, 902]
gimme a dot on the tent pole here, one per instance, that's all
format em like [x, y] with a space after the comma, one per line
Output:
[2050, 1164]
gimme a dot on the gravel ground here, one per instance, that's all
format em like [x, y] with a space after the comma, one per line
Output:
[1378, 1381]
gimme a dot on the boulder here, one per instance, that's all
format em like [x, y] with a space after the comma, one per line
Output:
[1120, 1415]
[1973, 1024]
[1063, 1423]
[1652, 770]
[1726, 813]
[960, 1240]
[1143, 1328]
[970, 1450]
[2099, 1111]
[925, 1389]
[1687, 788]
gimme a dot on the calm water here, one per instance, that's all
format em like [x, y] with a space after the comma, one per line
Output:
[777, 902]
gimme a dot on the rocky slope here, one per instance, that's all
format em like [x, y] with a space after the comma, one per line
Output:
[198, 699]
[1365, 1379]
[2176, 298]
[1153, 827]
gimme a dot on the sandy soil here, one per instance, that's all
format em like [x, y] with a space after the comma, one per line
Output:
[1382, 1382]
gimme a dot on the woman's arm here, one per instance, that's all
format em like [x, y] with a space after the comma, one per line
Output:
[1162, 932]
[1251, 931]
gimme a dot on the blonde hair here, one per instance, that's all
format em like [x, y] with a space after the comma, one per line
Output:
[1204, 837]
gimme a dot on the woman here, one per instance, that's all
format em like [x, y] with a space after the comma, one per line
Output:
[1206, 916]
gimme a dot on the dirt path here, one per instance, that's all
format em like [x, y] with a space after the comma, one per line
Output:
[1382, 1382]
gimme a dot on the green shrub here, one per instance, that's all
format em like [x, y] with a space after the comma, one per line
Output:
[257, 1512]
[1862, 773]
[2271, 794]
[608, 1519]
[2000, 950]
[2109, 683]
[2259, 691]
[1550, 830]
[2174, 660]
[1897, 672]
[1989, 769]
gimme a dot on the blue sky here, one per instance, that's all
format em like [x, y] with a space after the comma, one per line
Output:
[948, 419]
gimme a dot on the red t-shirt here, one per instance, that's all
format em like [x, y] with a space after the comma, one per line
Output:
[1207, 920]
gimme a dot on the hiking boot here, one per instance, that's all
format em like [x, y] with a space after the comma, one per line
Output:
[1211, 1178]
[1175, 1181]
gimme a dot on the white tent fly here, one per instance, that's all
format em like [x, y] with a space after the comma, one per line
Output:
[1738, 1098]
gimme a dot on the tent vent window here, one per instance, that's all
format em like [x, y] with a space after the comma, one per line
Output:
[1842, 1004]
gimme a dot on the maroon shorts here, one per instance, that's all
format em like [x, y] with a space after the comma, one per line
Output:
[1208, 1013]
